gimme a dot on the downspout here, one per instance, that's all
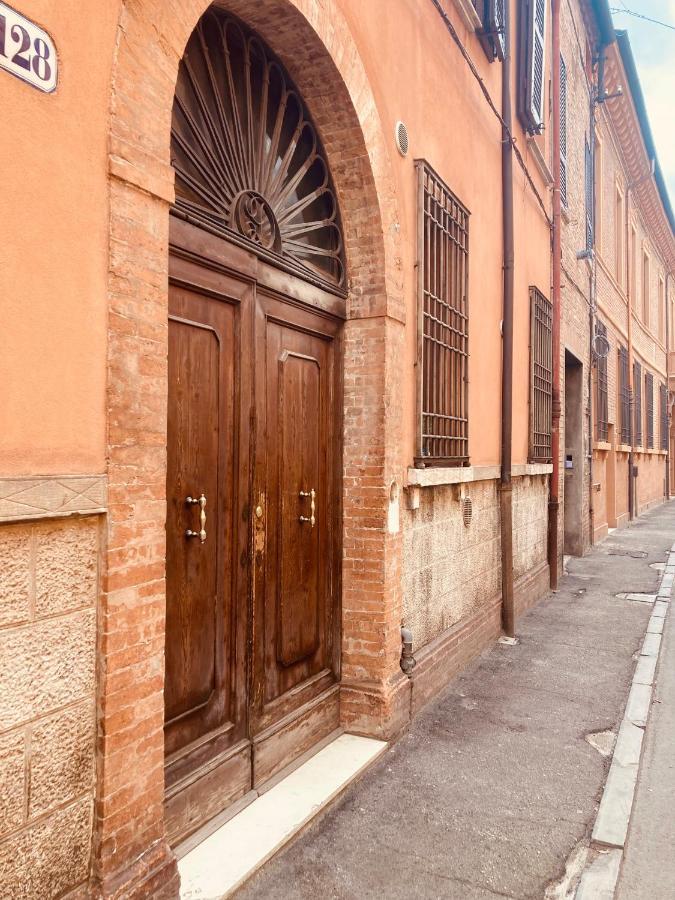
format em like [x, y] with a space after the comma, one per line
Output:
[554, 488]
[667, 389]
[631, 386]
[505, 487]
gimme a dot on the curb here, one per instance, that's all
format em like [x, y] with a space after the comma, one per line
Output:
[610, 831]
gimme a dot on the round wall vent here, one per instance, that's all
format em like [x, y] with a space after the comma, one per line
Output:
[401, 135]
[467, 511]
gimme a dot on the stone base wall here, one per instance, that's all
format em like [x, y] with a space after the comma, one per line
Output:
[48, 591]
[452, 571]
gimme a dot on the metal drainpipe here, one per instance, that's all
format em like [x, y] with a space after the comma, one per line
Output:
[505, 488]
[667, 388]
[631, 386]
[591, 325]
[554, 488]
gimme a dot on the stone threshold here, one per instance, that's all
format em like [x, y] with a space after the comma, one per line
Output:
[223, 861]
[610, 831]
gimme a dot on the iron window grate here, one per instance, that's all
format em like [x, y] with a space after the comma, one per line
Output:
[624, 395]
[637, 387]
[649, 408]
[541, 376]
[601, 391]
[443, 336]
[663, 415]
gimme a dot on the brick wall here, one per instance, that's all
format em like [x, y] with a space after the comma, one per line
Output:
[48, 590]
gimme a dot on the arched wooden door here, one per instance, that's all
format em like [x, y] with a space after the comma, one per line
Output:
[254, 430]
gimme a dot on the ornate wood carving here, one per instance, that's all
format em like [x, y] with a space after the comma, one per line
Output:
[246, 154]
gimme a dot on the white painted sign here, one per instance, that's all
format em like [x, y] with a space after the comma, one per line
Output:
[26, 50]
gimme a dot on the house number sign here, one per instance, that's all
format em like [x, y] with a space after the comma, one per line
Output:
[26, 50]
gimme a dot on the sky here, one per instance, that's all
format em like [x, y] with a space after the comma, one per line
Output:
[654, 51]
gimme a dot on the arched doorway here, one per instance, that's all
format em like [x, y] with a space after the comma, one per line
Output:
[318, 49]
[256, 304]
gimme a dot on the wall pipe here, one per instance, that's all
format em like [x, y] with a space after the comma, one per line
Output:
[668, 342]
[506, 487]
[554, 486]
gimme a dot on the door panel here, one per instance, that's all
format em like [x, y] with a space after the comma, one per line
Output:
[298, 607]
[207, 571]
[296, 564]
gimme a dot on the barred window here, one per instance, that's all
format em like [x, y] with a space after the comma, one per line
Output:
[443, 341]
[563, 132]
[637, 387]
[663, 415]
[601, 391]
[492, 36]
[649, 408]
[624, 396]
[541, 376]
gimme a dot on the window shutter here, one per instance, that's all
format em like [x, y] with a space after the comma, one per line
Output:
[563, 132]
[533, 65]
[493, 35]
[637, 390]
[589, 196]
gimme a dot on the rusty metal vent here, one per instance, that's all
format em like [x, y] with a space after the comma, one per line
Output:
[467, 511]
[402, 142]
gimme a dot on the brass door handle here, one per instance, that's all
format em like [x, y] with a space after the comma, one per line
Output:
[201, 534]
[312, 507]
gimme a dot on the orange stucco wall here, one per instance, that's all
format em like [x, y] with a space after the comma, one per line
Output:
[54, 240]
[419, 77]
[54, 225]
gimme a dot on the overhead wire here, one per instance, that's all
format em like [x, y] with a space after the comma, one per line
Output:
[476, 74]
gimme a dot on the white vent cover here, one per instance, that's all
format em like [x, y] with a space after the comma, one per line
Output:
[401, 136]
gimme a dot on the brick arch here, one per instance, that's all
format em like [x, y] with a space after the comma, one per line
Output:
[314, 42]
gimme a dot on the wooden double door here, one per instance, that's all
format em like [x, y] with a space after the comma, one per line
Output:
[253, 522]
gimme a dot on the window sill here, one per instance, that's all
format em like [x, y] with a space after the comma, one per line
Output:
[624, 448]
[602, 445]
[434, 477]
[468, 14]
[539, 160]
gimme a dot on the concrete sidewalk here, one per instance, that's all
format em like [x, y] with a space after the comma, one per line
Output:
[495, 785]
[649, 857]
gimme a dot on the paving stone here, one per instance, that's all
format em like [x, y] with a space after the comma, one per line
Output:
[651, 644]
[639, 701]
[645, 669]
[655, 625]
[660, 609]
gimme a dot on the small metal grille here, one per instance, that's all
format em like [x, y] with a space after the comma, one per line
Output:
[601, 391]
[663, 415]
[467, 511]
[563, 132]
[637, 388]
[649, 409]
[443, 342]
[541, 376]
[402, 142]
[624, 396]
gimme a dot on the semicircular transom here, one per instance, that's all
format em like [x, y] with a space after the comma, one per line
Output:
[246, 153]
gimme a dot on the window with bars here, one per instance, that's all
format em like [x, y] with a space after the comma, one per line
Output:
[649, 409]
[601, 391]
[637, 388]
[541, 376]
[624, 396]
[663, 415]
[443, 338]
[563, 132]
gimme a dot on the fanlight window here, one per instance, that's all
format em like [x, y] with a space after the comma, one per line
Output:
[246, 154]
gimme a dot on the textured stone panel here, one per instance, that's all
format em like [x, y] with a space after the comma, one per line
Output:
[12, 798]
[45, 666]
[66, 565]
[46, 859]
[15, 574]
[51, 495]
[62, 758]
